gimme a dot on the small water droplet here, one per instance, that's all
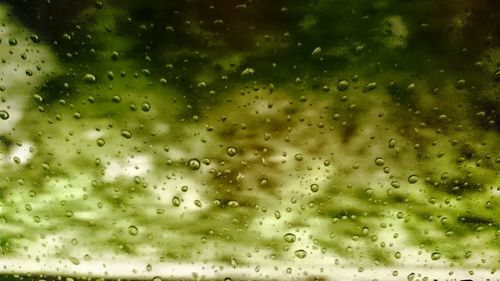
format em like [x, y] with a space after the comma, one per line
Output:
[365, 230]
[146, 106]
[4, 115]
[342, 85]
[247, 71]
[74, 260]
[316, 51]
[233, 204]
[101, 142]
[413, 179]
[314, 187]
[231, 151]
[436, 256]
[379, 161]
[289, 237]
[397, 255]
[277, 215]
[133, 230]
[115, 55]
[116, 99]
[126, 134]
[395, 184]
[370, 86]
[89, 78]
[300, 254]
[194, 164]
[176, 201]
[392, 143]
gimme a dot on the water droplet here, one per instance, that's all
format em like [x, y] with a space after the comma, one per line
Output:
[392, 143]
[342, 85]
[89, 78]
[314, 187]
[74, 260]
[316, 51]
[411, 276]
[365, 230]
[115, 55]
[126, 134]
[101, 142]
[146, 106]
[289, 237]
[176, 201]
[194, 164]
[370, 86]
[231, 151]
[247, 71]
[34, 38]
[233, 204]
[133, 230]
[395, 184]
[435, 256]
[300, 254]
[16, 160]
[277, 215]
[468, 254]
[412, 179]
[379, 161]
[4, 115]
[298, 157]
[116, 99]
[12, 41]
[156, 278]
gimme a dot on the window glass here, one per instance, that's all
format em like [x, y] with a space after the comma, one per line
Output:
[249, 140]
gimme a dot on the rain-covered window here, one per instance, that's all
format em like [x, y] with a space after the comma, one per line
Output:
[249, 140]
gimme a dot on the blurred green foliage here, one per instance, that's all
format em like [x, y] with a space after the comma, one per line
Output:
[188, 79]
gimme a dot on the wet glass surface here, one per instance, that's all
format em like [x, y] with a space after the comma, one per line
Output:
[249, 140]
